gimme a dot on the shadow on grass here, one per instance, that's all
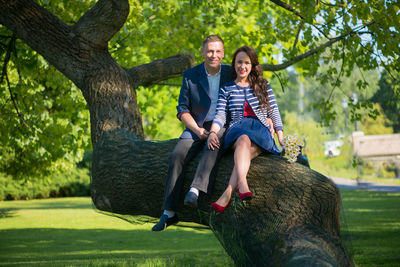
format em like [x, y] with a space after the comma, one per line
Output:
[6, 213]
[142, 219]
[46, 204]
[53, 247]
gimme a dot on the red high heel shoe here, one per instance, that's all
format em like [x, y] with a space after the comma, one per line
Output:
[219, 208]
[245, 196]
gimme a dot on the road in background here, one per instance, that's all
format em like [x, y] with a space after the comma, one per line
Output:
[349, 184]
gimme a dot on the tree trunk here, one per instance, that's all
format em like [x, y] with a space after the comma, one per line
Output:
[293, 219]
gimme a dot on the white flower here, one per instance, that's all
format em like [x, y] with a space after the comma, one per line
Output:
[292, 146]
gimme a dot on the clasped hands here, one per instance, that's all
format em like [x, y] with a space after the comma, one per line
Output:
[212, 138]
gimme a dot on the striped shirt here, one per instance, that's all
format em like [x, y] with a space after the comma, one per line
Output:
[232, 98]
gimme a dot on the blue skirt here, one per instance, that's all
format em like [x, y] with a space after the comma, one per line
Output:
[256, 131]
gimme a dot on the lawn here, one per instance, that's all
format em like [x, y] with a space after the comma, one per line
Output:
[69, 232]
[372, 227]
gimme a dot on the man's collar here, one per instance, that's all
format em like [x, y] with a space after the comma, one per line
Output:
[208, 75]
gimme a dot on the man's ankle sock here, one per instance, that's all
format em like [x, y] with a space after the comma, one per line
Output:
[194, 190]
[169, 213]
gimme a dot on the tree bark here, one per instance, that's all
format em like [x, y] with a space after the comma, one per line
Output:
[293, 219]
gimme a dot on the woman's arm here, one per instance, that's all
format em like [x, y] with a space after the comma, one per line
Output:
[220, 116]
[273, 112]
[279, 133]
[275, 115]
[219, 120]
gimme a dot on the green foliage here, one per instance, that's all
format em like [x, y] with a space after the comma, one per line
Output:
[377, 125]
[307, 130]
[388, 96]
[44, 126]
[74, 182]
[159, 116]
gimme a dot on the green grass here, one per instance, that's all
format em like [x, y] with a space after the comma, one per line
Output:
[372, 227]
[69, 232]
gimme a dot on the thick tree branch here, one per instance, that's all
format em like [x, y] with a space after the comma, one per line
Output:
[102, 22]
[293, 219]
[44, 33]
[161, 69]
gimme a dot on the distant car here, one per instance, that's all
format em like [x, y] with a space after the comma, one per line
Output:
[332, 148]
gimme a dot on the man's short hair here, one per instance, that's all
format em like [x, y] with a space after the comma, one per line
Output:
[212, 38]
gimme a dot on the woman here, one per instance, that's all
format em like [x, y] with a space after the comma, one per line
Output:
[249, 101]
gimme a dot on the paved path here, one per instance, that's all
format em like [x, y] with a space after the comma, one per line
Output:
[343, 183]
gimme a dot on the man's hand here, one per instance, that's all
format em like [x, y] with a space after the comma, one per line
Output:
[271, 126]
[213, 141]
[202, 133]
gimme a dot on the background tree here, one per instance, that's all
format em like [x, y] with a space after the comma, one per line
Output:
[388, 96]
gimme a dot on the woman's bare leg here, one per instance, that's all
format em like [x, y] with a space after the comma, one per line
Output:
[227, 195]
[245, 151]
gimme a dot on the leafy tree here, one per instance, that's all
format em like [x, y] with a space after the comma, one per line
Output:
[388, 96]
[43, 118]
[377, 124]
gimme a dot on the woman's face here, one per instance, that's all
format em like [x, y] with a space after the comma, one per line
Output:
[242, 65]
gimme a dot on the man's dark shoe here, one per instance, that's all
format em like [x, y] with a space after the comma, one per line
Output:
[191, 200]
[165, 222]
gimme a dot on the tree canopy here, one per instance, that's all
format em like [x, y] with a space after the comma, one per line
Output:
[44, 119]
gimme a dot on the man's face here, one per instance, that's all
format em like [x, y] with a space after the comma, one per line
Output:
[213, 53]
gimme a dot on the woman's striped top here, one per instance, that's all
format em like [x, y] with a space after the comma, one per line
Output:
[231, 101]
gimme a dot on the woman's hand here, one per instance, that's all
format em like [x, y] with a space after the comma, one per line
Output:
[279, 133]
[213, 140]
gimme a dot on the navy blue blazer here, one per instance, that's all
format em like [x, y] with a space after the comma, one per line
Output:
[194, 96]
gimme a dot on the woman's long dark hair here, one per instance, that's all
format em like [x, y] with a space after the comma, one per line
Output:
[255, 78]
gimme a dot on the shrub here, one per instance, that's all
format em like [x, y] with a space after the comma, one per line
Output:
[75, 182]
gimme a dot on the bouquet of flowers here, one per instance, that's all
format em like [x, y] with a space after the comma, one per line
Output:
[292, 147]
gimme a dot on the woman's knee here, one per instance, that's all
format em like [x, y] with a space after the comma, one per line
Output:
[243, 140]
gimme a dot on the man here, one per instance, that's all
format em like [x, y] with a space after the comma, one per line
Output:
[196, 109]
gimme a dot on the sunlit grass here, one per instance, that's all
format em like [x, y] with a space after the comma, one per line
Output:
[68, 231]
